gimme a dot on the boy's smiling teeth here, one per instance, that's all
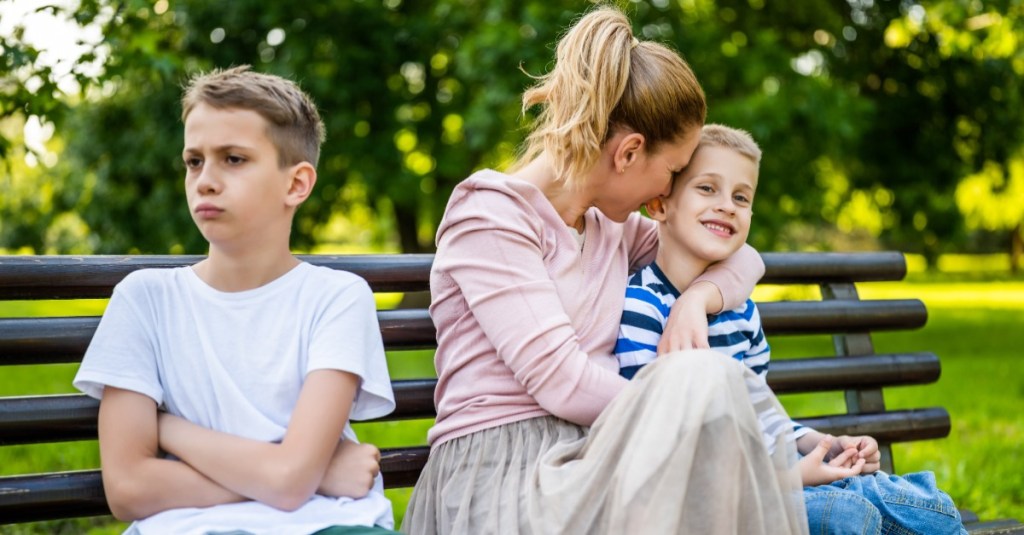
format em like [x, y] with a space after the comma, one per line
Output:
[718, 228]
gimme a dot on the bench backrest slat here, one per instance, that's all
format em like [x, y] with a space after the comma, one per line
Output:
[83, 277]
[64, 339]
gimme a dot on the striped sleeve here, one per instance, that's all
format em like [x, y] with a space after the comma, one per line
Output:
[643, 321]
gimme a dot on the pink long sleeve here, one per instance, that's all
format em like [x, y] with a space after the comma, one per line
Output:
[736, 276]
[526, 323]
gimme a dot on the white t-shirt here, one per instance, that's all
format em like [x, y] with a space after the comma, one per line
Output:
[235, 362]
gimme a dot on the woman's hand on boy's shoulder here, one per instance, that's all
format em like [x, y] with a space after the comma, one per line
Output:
[352, 470]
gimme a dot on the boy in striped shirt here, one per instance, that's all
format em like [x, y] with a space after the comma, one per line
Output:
[705, 219]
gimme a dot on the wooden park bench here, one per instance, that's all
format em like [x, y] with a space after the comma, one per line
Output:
[854, 368]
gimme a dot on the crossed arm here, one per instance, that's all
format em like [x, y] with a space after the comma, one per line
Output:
[217, 468]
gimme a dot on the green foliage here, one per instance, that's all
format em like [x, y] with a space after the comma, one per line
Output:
[993, 200]
[870, 113]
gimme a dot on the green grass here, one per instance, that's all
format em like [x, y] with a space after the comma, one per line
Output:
[976, 328]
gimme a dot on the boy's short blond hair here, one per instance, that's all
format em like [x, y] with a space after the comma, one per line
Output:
[293, 123]
[717, 135]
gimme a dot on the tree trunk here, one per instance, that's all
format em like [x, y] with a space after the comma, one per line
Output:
[1016, 248]
[408, 237]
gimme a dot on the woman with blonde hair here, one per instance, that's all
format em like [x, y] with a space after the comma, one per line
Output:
[536, 432]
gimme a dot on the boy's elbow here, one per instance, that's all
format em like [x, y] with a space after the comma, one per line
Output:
[288, 501]
[126, 500]
[289, 486]
[288, 498]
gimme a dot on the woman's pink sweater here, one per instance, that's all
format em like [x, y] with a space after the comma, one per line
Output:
[525, 322]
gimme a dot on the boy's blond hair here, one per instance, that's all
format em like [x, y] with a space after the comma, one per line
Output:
[293, 123]
[718, 135]
[604, 80]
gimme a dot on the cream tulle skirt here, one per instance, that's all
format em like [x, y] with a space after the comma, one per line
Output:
[680, 450]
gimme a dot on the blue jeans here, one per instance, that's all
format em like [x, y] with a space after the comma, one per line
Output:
[880, 503]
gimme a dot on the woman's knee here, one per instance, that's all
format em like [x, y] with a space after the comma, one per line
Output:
[703, 363]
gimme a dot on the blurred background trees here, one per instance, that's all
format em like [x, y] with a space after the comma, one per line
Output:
[885, 124]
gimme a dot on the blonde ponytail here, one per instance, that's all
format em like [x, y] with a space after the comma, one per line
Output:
[604, 79]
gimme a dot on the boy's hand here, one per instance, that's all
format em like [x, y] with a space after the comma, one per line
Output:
[866, 448]
[813, 470]
[687, 325]
[351, 471]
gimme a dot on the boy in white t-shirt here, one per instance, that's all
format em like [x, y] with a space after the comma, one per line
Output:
[246, 367]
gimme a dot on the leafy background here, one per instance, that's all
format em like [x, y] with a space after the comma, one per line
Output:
[885, 124]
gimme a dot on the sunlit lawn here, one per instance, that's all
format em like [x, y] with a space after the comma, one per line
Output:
[976, 328]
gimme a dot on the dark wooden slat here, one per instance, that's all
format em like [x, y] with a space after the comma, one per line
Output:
[407, 329]
[34, 419]
[54, 340]
[414, 398]
[831, 317]
[40, 419]
[78, 277]
[45, 340]
[821, 374]
[31, 498]
[64, 339]
[47, 496]
[61, 418]
[817, 268]
[1006, 526]
[890, 426]
[402, 466]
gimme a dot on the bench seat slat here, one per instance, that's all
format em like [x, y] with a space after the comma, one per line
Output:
[1007, 526]
[64, 339]
[890, 426]
[67, 494]
[33, 419]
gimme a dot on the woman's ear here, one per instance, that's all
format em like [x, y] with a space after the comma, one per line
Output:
[300, 186]
[656, 208]
[628, 151]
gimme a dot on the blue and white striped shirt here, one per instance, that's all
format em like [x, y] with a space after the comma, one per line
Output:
[736, 333]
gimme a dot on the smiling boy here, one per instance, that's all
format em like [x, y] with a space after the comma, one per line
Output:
[247, 366]
[706, 218]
